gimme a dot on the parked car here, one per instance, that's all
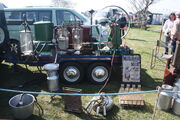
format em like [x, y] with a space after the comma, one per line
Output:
[14, 17]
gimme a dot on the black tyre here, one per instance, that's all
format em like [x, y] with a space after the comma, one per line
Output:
[98, 72]
[71, 72]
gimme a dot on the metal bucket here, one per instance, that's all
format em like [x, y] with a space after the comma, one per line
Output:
[164, 101]
[176, 106]
[53, 83]
[25, 111]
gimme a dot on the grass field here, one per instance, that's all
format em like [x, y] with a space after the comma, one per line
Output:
[140, 40]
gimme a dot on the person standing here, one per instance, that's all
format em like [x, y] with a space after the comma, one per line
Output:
[175, 32]
[167, 30]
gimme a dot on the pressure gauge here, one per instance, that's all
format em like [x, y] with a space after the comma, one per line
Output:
[2, 35]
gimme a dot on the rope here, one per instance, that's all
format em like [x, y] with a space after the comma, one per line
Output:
[78, 94]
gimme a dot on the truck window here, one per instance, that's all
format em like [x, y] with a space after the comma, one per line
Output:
[13, 17]
[66, 16]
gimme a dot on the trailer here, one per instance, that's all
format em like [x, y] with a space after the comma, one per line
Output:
[80, 50]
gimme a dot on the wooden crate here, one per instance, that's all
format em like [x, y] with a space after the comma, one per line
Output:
[131, 101]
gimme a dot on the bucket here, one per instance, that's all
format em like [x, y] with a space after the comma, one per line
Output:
[24, 111]
[164, 101]
[53, 83]
[176, 106]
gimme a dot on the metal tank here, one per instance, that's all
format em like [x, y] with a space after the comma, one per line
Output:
[165, 98]
[53, 83]
[62, 38]
[26, 42]
[77, 38]
[43, 30]
[164, 101]
[176, 105]
[52, 76]
[177, 85]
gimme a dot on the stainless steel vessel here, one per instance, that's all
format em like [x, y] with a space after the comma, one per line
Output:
[164, 101]
[51, 69]
[176, 106]
[24, 111]
[52, 76]
[53, 83]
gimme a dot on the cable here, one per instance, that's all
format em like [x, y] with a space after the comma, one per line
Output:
[105, 84]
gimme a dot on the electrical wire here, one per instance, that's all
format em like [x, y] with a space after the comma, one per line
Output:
[105, 84]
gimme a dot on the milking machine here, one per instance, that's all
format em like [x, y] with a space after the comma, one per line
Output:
[67, 50]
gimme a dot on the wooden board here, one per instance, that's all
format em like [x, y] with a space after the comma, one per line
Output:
[134, 100]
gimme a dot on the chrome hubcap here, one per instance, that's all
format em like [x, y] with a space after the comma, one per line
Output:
[99, 74]
[71, 74]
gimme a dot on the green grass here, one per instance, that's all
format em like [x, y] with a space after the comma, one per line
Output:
[140, 40]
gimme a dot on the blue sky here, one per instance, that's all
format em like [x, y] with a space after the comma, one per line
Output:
[165, 6]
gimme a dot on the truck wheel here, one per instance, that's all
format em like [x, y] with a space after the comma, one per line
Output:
[98, 72]
[71, 72]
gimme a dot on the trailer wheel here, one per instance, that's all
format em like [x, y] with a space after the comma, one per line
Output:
[71, 72]
[98, 72]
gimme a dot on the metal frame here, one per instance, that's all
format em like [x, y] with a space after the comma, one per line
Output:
[156, 55]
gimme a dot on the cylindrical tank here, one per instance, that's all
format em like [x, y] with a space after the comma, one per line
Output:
[164, 101]
[51, 69]
[53, 83]
[176, 106]
[43, 31]
[176, 87]
[26, 42]
[63, 43]
[52, 76]
[77, 38]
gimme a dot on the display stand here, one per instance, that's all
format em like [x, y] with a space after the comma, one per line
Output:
[131, 82]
